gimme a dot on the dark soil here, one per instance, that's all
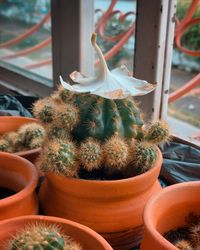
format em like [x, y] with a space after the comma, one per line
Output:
[180, 233]
[107, 174]
[184, 233]
[5, 192]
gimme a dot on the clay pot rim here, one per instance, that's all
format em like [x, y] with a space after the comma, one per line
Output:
[29, 188]
[157, 165]
[31, 151]
[58, 220]
[147, 213]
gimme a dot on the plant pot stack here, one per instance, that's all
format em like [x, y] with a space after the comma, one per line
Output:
[100, 160]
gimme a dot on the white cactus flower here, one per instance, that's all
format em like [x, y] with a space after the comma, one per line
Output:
[114, 84]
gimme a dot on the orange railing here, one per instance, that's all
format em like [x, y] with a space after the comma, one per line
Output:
[120, 39]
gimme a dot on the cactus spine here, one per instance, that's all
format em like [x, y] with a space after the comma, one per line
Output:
[44, 237]
[183, 245]
[144, 156]
[90, 154]
[59, 157]
[158, 132]
[4, 145]
[116, 152]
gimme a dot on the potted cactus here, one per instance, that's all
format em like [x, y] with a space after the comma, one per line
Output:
[101, 163]
[22, 136]
[18, 180]
[171, 210]
[44, 232]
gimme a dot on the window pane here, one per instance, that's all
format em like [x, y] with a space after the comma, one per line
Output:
[115, 28]
[184, 102]
[25, 37]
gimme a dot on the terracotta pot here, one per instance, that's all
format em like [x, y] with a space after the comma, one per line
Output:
[19, 175]
[168, 210]
[112, 208]
[12, 123]
[88, 239]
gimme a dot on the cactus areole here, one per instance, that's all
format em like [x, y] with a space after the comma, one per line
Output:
[105, 102]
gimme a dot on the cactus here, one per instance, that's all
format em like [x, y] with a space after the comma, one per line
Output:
[59, 157]
[67, 117]
[29, 135]
[44, 110]
[11, 137]
[183, 245]
[4, 145]
[195, 235]
[158, 132]
[101, 118]
[64, 94]
[116, 152]
[90, 154]
[144, 156]
[56, 132]
[41, 236]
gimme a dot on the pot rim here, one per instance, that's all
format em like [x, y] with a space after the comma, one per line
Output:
[58, 220]
[147, 213]
[139, 177]
[29, 188]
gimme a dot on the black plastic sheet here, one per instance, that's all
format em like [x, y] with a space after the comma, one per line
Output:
[181, 163]
[9, 105]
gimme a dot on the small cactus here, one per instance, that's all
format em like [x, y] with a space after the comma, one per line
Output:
[90, 154]
[41, 236]
[183, 245]
[144, 156]
[195, 235]
[158, 132]
[4, 145]
[59, 157]
[56, 132]
[64, 94]
[29, 135]
[44, 110]
[116, 152]
[11, 137]
[67, 116]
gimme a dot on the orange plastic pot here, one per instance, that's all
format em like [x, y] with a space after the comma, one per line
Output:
[112, 208]
[88, 239]
[13, 123]
[19, 175]
[167, 210]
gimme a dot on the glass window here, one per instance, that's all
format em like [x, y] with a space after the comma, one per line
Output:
[25, 38]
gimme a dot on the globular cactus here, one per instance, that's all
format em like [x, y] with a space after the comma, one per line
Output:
[11, 137]
[158, 132]
[144, 156]
[116, 152]
[101, 118]
[29, 135]
[183, 245]
[195, 235]
[41, 237]
[59, 157]
[56, 132]
[44, 110]
[4, 145]
[64, 94]
[90, 154]
[67, 116]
